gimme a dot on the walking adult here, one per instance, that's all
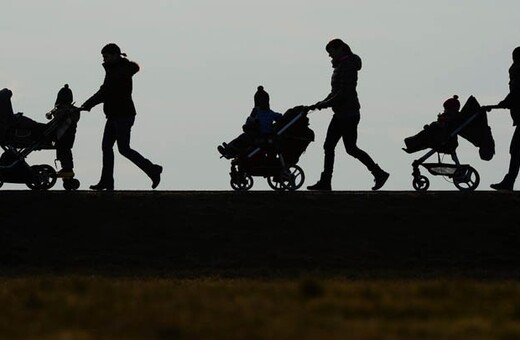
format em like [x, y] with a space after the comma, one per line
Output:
[116, 95]
[344, 102]
[512, 102]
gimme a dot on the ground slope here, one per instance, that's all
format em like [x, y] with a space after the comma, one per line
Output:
[261, 233]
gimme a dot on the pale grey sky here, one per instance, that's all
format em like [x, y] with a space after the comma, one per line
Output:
[202, 60]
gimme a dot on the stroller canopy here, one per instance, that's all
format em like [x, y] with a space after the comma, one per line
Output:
[473, 126]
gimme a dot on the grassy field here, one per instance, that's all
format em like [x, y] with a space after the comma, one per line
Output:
[79, 307]
[259, 265]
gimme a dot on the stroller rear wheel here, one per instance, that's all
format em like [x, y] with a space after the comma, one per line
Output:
[43, 177]
[466, 178]
[274, 183]
[292, 178]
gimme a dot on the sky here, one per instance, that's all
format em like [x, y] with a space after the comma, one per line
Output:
[201, 62]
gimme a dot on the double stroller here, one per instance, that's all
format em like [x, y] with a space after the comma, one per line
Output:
[21, 135]
[469, 123]
[275, 156]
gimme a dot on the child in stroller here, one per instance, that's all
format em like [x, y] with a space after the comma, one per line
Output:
[442, 137]
[272, 153]
[21, 135]
[257, 128]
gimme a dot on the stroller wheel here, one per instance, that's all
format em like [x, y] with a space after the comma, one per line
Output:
[466, 178]
[242, 182]
[70, 184]
[274, 183]
[292, 178]
[421, 183]
[43, 177]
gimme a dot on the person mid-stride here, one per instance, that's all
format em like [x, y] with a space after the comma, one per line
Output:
[512, 102]
[344, 101]
[116, 95]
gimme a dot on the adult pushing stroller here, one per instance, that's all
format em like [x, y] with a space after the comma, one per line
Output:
[471, 124]
[21, 135]
[275, 156]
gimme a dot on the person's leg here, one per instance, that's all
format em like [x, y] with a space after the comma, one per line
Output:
[123, 132]
[64, 152]
[514, 164]
[107, 171]
[331, 140]
[350, 133]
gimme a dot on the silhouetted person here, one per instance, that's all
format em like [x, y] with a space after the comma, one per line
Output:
[512, 102]
[116, 95]
[65, 143]
[259, 124]
[344, 101]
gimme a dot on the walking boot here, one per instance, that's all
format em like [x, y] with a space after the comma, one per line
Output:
[322, 185]
[506, 184]
[156, 176]
[102, 187]
[380, 177]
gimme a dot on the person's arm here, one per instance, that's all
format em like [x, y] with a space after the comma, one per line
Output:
[95, 99]
[505, 103]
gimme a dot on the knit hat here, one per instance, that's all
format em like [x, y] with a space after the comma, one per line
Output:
[452, 104]
[261, 98]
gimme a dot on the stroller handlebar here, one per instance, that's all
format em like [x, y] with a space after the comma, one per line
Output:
[488, 108]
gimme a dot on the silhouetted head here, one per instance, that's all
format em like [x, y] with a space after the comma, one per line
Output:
[338, 47]
[111, 52]
[452, 104]
[516, 55]
[261, 98]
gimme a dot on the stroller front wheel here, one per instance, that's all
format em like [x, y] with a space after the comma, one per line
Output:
[242, 182]
[420, 183]
[70, 184]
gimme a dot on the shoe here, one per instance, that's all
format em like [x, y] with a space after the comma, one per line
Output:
[156, 177]
[502, 186]
[380, 179]
[320, 186]
[102, 187]
[224, 151]
[323, 184]
[65, 173]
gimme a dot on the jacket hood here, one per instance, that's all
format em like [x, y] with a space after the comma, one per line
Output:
[357, 61]
[353, 58]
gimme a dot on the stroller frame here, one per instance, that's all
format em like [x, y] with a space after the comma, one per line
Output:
[14, 167]
[464, 176]
[280, 174]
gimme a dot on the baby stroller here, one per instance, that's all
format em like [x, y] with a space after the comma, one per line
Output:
[21, 135]
[471, 124]
[275, 157]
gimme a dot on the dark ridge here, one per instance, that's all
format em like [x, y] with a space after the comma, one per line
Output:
[264, 234]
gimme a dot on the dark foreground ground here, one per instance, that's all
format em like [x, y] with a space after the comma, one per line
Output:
[261, 234]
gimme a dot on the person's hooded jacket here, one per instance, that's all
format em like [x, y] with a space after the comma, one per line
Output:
[343, 97]
[116, 91]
